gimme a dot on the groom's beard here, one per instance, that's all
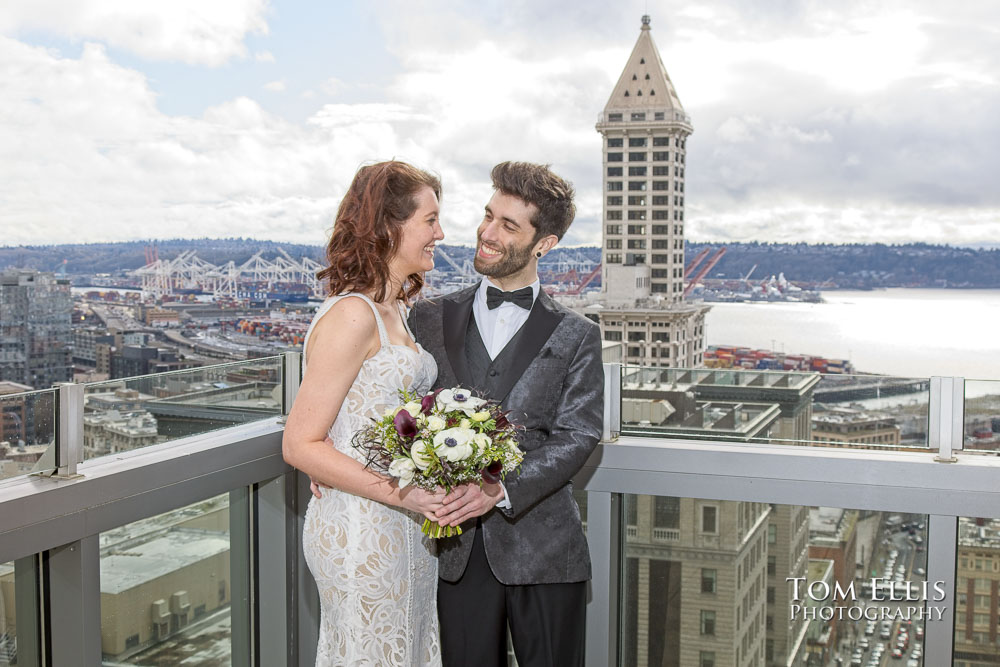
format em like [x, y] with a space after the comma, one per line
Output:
[513, 260]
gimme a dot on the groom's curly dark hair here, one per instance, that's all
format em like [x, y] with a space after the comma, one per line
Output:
[536, 184]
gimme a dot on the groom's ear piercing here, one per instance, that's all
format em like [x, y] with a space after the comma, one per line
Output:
[538, 254]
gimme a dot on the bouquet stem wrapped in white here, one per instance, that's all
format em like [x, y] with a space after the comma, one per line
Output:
[443, 439]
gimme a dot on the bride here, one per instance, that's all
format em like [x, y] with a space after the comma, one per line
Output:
[377, 578]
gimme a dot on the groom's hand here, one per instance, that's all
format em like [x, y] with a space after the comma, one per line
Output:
[467, 502]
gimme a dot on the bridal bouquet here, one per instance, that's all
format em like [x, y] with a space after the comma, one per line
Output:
[446, 438]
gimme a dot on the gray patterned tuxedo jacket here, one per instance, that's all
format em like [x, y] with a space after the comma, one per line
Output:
[551, 379]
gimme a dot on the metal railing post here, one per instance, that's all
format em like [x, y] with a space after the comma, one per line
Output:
[942, 541]
[291, 379]
[946, 416]
[604, 538]
[69, 430]
[612, 402]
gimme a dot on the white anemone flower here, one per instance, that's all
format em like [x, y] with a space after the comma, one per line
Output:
[458, 398]
[454, 444]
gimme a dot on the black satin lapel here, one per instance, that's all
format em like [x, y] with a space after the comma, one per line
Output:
[456, 316]
[539, 326]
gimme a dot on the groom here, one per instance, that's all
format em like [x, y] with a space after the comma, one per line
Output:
[522, 559]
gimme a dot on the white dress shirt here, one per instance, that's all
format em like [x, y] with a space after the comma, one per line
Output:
[498, 326]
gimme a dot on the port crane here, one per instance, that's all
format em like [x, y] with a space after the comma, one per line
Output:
[187, 271]
[689, 269]
[703, 271]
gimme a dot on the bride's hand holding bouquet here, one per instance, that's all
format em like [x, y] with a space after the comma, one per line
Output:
[441, 440]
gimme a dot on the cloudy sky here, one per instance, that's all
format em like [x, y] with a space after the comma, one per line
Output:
[814, 121]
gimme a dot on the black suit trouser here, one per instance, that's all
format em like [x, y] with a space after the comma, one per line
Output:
[547, 621]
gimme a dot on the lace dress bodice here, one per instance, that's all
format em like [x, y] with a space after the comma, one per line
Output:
[376, 573]
[377, 386]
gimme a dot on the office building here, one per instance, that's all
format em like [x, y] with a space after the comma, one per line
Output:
[644, 130]
[35, 335]
[977, 612]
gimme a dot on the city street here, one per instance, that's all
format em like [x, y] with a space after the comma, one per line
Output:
[899, 557]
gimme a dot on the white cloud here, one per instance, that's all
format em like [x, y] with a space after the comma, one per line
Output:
[333, 86]
[274, 86]
[85, 155]
[189, 31]
[860, 122]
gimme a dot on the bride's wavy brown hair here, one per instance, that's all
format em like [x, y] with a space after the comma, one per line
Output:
[368, 228]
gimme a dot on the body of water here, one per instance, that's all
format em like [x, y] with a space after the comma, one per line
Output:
[902, 332]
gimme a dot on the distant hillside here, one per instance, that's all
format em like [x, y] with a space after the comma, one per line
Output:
[128, 255]
[859, 266]
[849, 266]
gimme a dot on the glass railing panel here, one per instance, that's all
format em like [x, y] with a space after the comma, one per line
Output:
[710, 582]
[776, 406]
[166, 588]
[977, 614]
[8, 616]
[131, 413]
[27, 432]
[982, 416]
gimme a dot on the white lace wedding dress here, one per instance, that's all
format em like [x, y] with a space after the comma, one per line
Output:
[376, 573]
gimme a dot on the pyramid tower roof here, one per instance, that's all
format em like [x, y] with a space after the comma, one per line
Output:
[644, 83]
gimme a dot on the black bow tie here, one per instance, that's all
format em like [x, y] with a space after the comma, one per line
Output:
[522, 297]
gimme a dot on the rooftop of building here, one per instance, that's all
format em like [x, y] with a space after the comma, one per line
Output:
[651, 308]
[130, 423]
[979, 533]
[851, 416]
[820, 569]
[830, 524]
[652, 378]
[139, 563]
[10, 387]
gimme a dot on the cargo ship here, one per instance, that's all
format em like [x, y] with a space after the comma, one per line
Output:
[731, 356]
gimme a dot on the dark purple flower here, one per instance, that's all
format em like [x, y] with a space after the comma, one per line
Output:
[502, 421]
[427, 402]
[491, 473]
[406, 425]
